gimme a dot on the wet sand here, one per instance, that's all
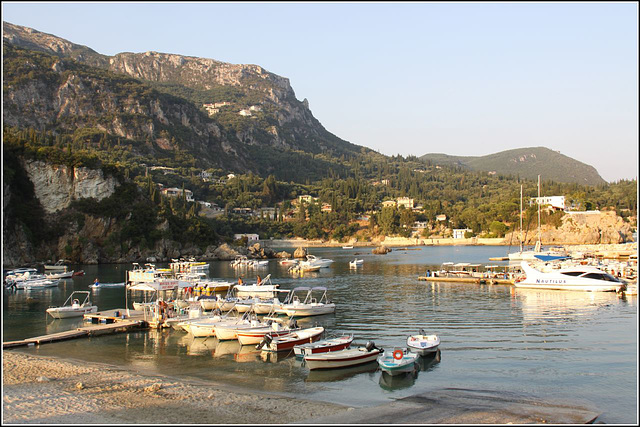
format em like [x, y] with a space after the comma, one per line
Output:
[45, 390]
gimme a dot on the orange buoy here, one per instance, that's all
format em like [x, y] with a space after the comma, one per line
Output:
[397, 354]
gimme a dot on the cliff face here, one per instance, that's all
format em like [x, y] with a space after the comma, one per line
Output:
[278, 120]
[57, 186]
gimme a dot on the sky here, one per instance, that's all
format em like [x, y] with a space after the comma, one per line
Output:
[409, 78]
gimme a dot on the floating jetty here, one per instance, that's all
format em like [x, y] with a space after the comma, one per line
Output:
[101, 323]
[476, 280]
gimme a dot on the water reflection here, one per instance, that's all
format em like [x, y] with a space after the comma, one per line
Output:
[333, 375]
[429, 362]
[398, 382]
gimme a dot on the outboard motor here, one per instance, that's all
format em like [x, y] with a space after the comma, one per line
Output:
[422, 332]
[293, 324]
[265, 341]
[370, 345]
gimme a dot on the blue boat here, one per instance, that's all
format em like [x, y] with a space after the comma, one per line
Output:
[398, 361]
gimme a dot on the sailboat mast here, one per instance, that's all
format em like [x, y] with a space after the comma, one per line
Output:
[520, 217]
[539, 202]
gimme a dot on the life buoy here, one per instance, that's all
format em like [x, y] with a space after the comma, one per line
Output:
[398, 354]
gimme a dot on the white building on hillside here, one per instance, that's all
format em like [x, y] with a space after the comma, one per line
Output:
[556, 202]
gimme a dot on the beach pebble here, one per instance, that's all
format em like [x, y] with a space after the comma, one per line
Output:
[42, 379]
[153, 388]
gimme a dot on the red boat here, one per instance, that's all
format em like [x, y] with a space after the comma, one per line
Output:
[78, 273]
[287, 342]
[330, 344]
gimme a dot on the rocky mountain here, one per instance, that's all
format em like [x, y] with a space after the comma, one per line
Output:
[526, 163]
[237, 117]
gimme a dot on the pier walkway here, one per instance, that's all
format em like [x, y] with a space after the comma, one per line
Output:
[102, 323]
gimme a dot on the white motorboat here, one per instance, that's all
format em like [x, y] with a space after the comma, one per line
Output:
[573, 278]
[35, 283]
[310, 306]
[277, 328]
[323, 346]
[205, 326]
[59, 266]
[312, 261]
[423, 344]
[288, 341]
[343, 358]
[60, 275]
[263, 289]
[230, 331]
[398, 361]
[356, 263]
[72, 307]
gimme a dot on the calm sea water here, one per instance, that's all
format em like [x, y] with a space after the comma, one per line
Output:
[565, 345]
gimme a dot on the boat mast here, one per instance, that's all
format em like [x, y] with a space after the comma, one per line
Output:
[520, 218]
[539, 243]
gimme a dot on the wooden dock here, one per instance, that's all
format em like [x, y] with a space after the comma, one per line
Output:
[102, 323]
[476, 280]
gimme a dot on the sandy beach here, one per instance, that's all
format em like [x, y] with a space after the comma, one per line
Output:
[45, 390]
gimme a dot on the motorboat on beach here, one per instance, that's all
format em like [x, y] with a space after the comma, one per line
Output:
[423, 344]
[398, 361]
[323, 346]
[572, 278]
[288, 341]
[310, 305]
[343, 358]
[72, 307]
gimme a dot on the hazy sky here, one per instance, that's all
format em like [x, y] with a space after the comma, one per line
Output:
[409, 78]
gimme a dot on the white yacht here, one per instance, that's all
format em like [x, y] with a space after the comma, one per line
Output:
[572, 278]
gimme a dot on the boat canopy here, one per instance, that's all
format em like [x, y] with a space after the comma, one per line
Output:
[163, 285]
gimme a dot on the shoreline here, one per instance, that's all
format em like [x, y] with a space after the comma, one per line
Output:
[95, 393]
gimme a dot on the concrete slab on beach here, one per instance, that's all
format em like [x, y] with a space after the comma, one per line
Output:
[462, 406]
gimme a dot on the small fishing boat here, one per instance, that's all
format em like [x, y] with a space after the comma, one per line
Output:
[323, 346]
[343, 358]
[78, 273]
[277, 328]
[60, 275]
[263, 289]
[58, 266]
[347, 247]
[287, 342]
[356, 263]
[72, 307]
[398, 361]
[423, 344]
[310, 306]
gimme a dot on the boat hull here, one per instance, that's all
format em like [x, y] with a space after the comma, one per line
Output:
[392, 366]
[340, 359]
[323, 346]
[423, 345]
[287, 342]
[67, 312]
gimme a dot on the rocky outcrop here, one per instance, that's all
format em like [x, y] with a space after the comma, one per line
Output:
[56, 186]
[381, 250]
[581, 228]
[300, 253]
